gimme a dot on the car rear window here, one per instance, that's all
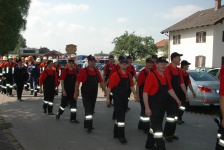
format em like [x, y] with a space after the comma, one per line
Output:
[202, 76]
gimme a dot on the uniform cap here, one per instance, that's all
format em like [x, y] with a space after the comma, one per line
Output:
[26, 58]
[50, 58]
[148, 60]
[30, 57]
[10, 56]
[45, 57]
[161, 60]
[120, 58]
[128, 57]
[90, 57]
[38, 60]
[70, 60]
[175, 54]
[154, 56]
[124, 60]
[55, 60]
[184, 63]
[73, 55]
[5, 58]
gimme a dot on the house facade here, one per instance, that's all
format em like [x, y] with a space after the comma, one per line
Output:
[200, 37]
[161, 45]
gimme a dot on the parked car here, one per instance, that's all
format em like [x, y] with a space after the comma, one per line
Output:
[103, 61]
[62, 62]
[206, 87]
[204, 69]
[215, 72]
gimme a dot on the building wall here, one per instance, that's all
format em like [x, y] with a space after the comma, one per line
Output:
[160, 52]
[218, 46]
[190, 49]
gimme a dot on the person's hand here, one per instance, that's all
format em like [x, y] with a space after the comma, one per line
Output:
[148, 112]
[64, 93]
[76, 95]
[178, 102]
[41, 91]
[108, 102]
[105, 93]
[187, 98]
[137, 99]
[194, 95]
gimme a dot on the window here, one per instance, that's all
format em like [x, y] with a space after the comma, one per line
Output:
[176, 39]
[201, 37]
[200, 61]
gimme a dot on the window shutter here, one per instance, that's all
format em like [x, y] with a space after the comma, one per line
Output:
[174, 39]
[204, 36]
[196, 61]
[197, 37]
[222, 36]
[179, 39]
[203, 61]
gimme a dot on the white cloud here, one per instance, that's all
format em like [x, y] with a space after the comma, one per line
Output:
[179, 12]
[122, 20]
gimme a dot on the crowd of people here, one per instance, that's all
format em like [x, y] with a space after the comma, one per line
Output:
[161, 88]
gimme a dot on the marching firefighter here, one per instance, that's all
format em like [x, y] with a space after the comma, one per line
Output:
[1, 68]
[144, 122]
[120, 82]
[106, 72]
[58, 70]
[174, 75]
[220, 134]
[68, 79]
[4, 75]
[26, 64]
[187, 82]
[9, 70]
[20, 77]
[132, 71]
[155, 96]
[33, 71]
[43, 64]
[90, 77]
[49, 81]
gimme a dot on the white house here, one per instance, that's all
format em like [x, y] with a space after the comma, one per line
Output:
[160, 45]
[200, 37]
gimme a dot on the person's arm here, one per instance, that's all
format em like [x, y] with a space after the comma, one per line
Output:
[184, 90]
[136, 78]
[104, 73]
[148, 111]
[103, 86]
[63, 88]
[192, 90]
[135, 95]
[137, 92]
[108, 96]
[76, 92]
[221, 100]
[172, 93]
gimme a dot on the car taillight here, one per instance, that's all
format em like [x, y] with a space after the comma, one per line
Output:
[204, 89]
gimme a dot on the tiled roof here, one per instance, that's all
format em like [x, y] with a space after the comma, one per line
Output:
[162, 43]
[201, 18]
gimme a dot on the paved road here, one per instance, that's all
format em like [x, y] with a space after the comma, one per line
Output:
[37, 131]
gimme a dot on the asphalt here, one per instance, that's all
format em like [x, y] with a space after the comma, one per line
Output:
[198, 132]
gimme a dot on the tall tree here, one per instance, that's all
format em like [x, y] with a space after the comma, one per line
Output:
[21, 43]
[133, 45]
[13, 15]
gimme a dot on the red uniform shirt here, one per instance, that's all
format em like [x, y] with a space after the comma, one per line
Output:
[43, 76]
[108, 68]
[185, 74]
[82, 74]
[131, 69]
[174, 72]
[154, 67]
[151, 83]
[222, 81]
[115, 79]
[115, 69]
[43, 65]
[142, 76]
[65, 72]
[13, 65]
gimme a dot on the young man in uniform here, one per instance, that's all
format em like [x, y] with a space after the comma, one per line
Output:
[220, 134]
[144, 122]
[90, 77]
[174, 75]
[4, 75]
[34, 72]
[73, 57]
[187, 82]
[9, 70]
[106, 73]
[20, 77]
[43, 65]
[49, 81]
[58, 70]
[68, 79]
[155, 95]
[26, 64]
[132, 71]
[121, 81]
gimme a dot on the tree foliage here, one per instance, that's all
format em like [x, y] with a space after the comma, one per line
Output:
[13, 15]
[133, 45]
[21, 43]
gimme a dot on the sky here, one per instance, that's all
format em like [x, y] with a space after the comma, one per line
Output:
[93, 24]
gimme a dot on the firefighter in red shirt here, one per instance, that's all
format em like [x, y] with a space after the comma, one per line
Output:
[155, 95]
[43, 65]
[9, 70]
[90, 77]
[144, 122]
[220, 134]
[49, 81]
[58, 70]
[4, 75]
[106, 73]
[120, 82]
[68, 78]
[174, 75]
[187, 82]
[132, 71]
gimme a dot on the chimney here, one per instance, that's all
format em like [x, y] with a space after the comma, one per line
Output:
[217, 4]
